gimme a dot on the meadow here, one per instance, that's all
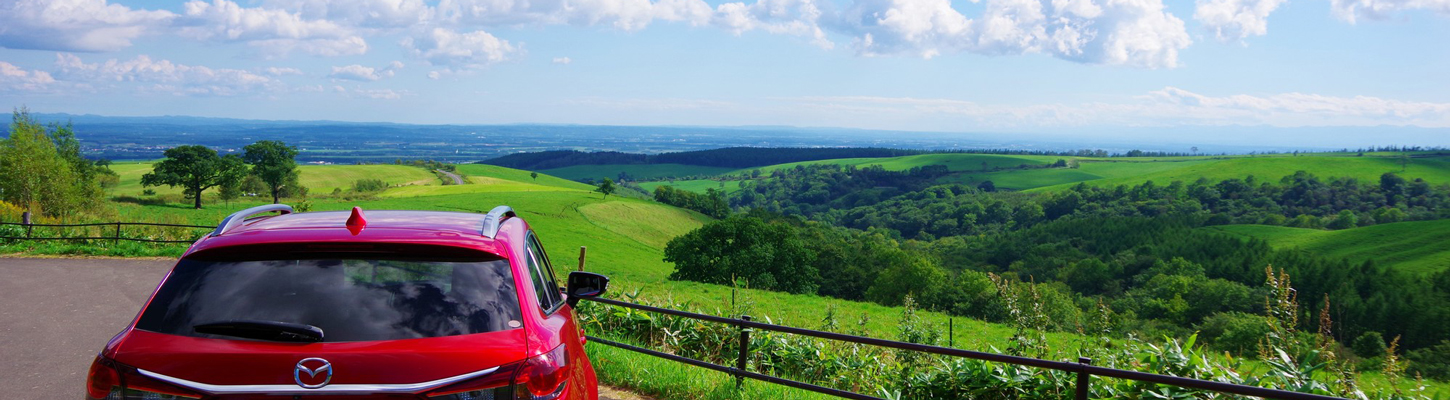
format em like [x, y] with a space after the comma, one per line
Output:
[1417, 246]
[636, 171]
[319, 179]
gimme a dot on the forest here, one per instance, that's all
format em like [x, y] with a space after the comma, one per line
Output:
[730, 157]
[1135, 251]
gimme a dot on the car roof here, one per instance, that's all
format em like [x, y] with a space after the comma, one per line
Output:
[441, 228]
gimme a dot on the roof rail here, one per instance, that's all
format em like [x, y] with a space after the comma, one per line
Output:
[494, 219]
[231, 221]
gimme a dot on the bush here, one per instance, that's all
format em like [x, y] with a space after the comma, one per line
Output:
[1369, 345]
[1234, 331]
[1432, 362]
[369, 185]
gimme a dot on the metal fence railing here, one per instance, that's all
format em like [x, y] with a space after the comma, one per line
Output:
[1083, 368]
[116, 236]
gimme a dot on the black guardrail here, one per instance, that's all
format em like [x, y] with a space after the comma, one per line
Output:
[1083, 368]
[30, 228]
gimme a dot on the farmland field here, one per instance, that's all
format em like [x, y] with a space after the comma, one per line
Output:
[1418, 247]
[1435, 170]
[317, 178]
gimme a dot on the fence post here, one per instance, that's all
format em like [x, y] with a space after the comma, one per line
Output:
[1082, 378]
[117, 240]
[744, 352]
[951, 335]
[25, 219]
[582, 249]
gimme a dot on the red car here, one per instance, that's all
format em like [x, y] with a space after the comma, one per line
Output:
[332, 305]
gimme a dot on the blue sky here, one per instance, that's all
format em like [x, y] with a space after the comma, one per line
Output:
[932, 65]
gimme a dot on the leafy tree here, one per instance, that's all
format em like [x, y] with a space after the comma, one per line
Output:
[195, 168]
[987, 186]
[1368, 345]
[606, 187]
[251, 185]
[534, 175]
[274, 162]
[230, 191]
[918, 278]
[44, 169]
[769, 255]
[1345, 220]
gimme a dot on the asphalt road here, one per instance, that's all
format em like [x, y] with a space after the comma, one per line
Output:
[457, 180]
[57, 313]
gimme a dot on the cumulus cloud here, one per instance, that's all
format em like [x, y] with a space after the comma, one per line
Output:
[1118, 32]
[16, 78]
[445, 47]
[788, 17]
[357, 72]
[274, 32]
[359, 13]
[1352, 10]
[74, 25]
[165, 76]
[276, 71]
[1231, 20]
[562, 60]
[1167, 107]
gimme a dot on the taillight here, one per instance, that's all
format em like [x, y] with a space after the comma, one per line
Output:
[543, 377]
[109, 380]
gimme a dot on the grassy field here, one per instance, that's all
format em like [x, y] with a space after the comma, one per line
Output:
[638, 171]
[319, 179]
[1435, 170]
[953, 161]
[1421, 247]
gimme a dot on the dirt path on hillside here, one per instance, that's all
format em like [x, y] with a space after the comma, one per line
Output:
[57, 313]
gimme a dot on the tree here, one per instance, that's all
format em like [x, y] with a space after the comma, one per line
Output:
[534, 175]
[274, 162]
[39, 172]
[987, 186]
[196, 169]
[606, 187]
[1194, 149]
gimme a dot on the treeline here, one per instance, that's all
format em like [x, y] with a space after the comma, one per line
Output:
[903, 203]
[811, 189]
[42, 170]
[711, 203]
[729, 157]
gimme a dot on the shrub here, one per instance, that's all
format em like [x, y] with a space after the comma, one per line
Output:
[1368, 345]
[1431, 362]
[1236, 332]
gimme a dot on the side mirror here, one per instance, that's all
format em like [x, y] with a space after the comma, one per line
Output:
[585, 285]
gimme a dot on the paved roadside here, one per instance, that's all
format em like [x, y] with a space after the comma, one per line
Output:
[457, 180]
[56, 313]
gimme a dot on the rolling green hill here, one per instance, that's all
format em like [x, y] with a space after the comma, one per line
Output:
[694, 185]
[317, 178]
[1434, 169]
[1421, 247]
[637, 171]
[953, 161]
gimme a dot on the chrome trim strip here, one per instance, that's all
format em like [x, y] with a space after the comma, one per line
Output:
[346, 388]
[238, 217]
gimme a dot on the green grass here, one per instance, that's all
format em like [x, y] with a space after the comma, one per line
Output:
[667, 379]
[694, 185]
[1368, 169]
[637, 171]
[519, 175]
[1419, 247]
[319, 179]
[1022, 179]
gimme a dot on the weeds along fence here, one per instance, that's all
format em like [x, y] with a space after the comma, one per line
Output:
[138, 232]
[1083, 369]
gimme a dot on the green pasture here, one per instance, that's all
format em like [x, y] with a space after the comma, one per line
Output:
[953, 161]
[516, 175]
[1434, 169]
[1421, 247]
[319, 179]
[637, 171]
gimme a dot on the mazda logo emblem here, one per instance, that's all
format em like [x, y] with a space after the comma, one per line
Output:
[319, 366]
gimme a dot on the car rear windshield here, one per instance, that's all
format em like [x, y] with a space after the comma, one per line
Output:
[349, 299]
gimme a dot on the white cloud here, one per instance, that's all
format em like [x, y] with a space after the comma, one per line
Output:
[166, 76]
[357, 72]
[1117, 32]
[1167, 107]
[1351, 10]
[1231, 20]
[359, 13]
[74, 25]
[444, 47]
[628, 15]
[354, 72]
[562, 60]
[274, 32]
[276, 71]
[788, 17]
[16, 78]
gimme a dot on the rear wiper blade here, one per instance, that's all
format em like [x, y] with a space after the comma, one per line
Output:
[262, 330]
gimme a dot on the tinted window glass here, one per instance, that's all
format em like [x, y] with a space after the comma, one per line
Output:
[547, 268]
[351, 300]
[536, 272]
